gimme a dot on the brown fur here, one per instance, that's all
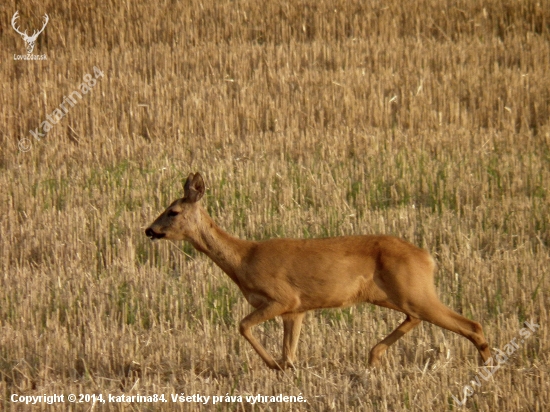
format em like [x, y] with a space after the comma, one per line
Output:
[288, 277]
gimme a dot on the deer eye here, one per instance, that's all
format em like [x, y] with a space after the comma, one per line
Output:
[172, 213]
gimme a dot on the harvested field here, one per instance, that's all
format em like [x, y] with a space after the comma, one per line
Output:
[429, 121]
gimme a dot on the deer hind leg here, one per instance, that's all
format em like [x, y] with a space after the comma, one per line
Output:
[442, 316]
[292, 324]
[376, 352]
[268, 311]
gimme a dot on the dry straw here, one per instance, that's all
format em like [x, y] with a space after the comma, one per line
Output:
[428, 121]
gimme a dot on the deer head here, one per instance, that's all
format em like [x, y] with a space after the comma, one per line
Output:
[180, 221]
[30, 40]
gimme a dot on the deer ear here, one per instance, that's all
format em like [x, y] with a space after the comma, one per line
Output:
[194, 188]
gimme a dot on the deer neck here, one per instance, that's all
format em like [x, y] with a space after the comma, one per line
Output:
[224, 249]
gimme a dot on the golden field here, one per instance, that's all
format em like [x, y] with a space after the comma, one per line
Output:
[427, 120]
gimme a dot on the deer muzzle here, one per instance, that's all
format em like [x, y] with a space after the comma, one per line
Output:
[151, 234]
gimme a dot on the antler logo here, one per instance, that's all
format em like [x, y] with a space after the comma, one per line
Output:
[30, 40]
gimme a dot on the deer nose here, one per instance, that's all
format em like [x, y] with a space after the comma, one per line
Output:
[150, 233]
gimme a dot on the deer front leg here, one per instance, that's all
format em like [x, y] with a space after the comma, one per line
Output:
[292, 323]
[376, 352]
[269, 311]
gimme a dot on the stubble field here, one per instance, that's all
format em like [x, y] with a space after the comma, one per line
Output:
[428, 121]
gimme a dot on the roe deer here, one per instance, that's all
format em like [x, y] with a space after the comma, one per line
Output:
[288, 277]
